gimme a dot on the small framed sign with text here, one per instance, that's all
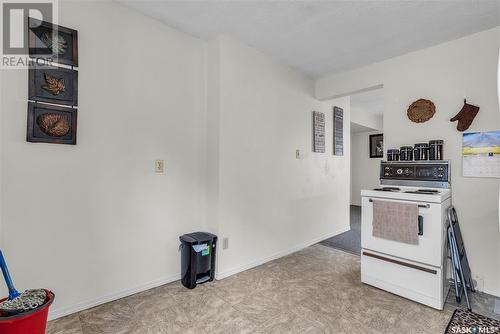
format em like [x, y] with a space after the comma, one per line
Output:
[318, 132]
[338, 131]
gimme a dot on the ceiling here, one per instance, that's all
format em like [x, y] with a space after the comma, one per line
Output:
[321, 37]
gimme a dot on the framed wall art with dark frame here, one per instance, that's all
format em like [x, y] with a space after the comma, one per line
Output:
[50, 40]
[53, 84]
[51, 124]
[376, 146]
[318, 132]
[338, 131]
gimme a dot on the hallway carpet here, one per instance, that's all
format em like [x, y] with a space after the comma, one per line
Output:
[349, 241]
[316, 290]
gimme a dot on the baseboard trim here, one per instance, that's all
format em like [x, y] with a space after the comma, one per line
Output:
[495, 294]
[61, 312]
[285, 252]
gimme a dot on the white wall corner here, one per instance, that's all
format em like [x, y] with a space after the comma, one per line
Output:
[252, 264]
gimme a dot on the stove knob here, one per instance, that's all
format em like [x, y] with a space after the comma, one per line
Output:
[399, 171]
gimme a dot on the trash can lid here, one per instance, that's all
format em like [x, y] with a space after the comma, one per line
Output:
[197, 237]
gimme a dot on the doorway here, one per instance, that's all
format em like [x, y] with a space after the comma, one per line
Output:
[367, 113]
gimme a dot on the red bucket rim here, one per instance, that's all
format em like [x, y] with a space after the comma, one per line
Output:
[49, 302]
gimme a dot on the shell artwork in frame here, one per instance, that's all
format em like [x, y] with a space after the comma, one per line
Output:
[52, 85]
[421, 111]
[51, 124]
[54, 125]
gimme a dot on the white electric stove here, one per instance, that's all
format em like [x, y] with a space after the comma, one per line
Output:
[417, 272]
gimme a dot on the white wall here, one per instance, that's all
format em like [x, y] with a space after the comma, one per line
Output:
[445, 74]
[213, 68]
[270, 203]
[93, 220]
[366, 118]
[364, 170]
[96, 223]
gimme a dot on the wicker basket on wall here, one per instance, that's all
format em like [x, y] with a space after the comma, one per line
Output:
[421, 111]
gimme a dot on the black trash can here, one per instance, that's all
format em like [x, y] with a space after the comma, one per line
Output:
[197, 258]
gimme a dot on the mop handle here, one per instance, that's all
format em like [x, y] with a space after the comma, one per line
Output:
[13, 293]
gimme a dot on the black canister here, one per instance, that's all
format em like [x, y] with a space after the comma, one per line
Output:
[406, 153]
[421, 151]
[393, 155]
[436, 149]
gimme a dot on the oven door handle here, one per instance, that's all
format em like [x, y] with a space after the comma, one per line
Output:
[420, 225]
[401, 263]
[426, 206]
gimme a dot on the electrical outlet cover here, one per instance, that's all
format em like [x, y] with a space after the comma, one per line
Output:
[479, 283]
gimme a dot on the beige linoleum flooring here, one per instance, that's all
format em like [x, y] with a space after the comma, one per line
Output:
[316, 290]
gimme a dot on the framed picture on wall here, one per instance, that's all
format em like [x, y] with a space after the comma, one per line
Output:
[58, 42]
[318, 120]
[338, 131]
[51, 124]
[376, 146]
[56, 85]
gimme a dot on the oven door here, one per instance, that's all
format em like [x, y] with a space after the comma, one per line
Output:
[429, 248]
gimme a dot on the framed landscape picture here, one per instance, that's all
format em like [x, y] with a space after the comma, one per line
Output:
[51, 124]
[56, 85]
[47, 39]
[376, 146]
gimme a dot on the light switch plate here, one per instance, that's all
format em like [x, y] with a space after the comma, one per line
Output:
[159, 166]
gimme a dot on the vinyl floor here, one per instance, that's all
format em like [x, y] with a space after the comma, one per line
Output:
[316, 290]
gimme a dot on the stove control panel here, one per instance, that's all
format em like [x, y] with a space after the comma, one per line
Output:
[419, 171]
